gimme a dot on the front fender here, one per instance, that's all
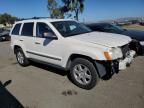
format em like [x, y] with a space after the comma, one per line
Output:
[92, 53]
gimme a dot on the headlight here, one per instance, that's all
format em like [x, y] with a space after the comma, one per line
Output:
[113, 53]
[116, 53]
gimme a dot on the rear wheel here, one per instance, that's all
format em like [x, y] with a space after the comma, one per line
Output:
[83, 73]
[21, 58]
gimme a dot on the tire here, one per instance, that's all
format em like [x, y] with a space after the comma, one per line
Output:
[86, 76]
[21, 58]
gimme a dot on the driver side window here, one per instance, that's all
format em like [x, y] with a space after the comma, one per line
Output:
[41, 29]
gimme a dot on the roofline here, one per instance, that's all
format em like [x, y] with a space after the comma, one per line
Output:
[33, 18]
[43, 18]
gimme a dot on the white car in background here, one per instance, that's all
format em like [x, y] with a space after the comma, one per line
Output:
[70, 45]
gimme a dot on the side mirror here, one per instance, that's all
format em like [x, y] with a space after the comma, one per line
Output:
[49, 35]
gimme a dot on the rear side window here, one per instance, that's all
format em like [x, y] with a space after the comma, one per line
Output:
[27, 29]
[16, 29]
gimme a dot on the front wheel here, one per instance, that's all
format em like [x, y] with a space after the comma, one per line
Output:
[21, 58]
[83, 73]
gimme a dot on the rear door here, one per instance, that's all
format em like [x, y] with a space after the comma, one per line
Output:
[15, 34]
[27, 37]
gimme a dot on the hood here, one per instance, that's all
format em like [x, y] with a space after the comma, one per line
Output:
[135, 34]
[105, 39]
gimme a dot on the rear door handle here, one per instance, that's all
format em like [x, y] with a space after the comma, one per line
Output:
[37, 43]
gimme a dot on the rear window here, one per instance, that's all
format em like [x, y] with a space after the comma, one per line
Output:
[27, 29]
[16, 29]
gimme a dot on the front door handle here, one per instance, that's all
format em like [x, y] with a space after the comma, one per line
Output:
[37, 43]
[21, 40]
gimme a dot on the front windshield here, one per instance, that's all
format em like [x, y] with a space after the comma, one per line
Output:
[70, 28]
[113, 28]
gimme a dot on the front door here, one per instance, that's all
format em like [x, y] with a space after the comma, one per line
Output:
[46, 49]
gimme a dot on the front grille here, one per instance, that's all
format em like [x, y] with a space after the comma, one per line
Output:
[125, 49]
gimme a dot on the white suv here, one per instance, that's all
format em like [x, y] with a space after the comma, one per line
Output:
[71, 46]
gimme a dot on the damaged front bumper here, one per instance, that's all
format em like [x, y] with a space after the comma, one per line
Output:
[127, 60]
[111, 67]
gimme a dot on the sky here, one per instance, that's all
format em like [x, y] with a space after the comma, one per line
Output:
[95, 10]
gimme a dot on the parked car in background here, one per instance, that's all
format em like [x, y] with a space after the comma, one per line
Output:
[138, 36]
[4, 34]
[141, 23]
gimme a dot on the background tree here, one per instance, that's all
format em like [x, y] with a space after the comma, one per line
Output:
[54, 9]
[7, 19]
[76, 6]
[13, 19]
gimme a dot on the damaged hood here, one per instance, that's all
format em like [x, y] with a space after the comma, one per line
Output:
[105, 39]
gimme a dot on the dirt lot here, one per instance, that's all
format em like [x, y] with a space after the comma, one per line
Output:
[39, 86]
[134, 26]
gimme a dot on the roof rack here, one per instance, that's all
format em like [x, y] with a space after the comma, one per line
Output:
[33, 18]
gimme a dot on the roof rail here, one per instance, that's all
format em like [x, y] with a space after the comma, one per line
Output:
[33, 18]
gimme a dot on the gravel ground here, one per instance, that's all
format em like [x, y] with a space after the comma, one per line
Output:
[39, 86]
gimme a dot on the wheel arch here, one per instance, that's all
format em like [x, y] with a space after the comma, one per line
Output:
[16, 47]
[23, 49]
[74, 56]
[99, 66]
